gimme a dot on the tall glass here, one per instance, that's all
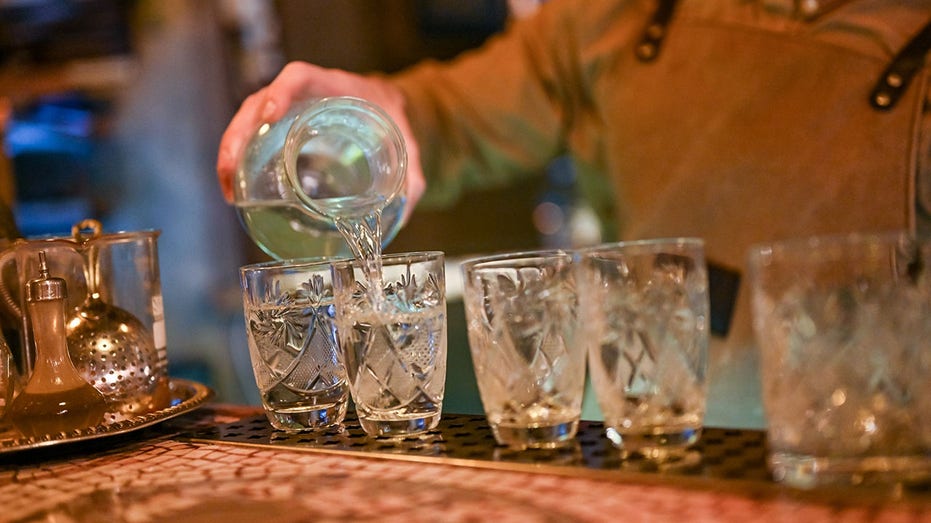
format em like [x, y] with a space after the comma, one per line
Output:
[393, 338]
[521, 310]
[291, 329]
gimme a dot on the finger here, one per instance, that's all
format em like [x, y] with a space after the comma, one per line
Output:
[241, 127]
[296, 81]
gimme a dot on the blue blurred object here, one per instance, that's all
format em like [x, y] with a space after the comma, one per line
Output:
[51, 145]
[553, 212]
[51, 217]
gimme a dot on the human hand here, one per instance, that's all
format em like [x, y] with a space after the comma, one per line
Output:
[299, 81]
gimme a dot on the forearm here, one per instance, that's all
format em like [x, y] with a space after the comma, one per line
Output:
[490, 115]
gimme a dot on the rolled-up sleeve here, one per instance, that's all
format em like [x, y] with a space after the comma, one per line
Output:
[506, 109]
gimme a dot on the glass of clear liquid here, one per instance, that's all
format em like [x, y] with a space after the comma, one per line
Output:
[392, 332]
[291, 329]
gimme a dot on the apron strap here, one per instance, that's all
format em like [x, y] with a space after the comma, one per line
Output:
[895, 79]
[648, 48]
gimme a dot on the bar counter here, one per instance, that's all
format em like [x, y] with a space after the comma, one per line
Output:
[221, 462]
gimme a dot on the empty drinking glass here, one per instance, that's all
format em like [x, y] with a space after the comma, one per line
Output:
[646, 327]
[522, 317]
[844, 328]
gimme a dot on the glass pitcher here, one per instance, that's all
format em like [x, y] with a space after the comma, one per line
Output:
[330, 156]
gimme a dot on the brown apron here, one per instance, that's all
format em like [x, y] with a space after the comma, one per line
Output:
[802, 144]
[824, 161]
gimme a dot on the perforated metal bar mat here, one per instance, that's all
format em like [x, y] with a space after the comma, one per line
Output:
[468, 440]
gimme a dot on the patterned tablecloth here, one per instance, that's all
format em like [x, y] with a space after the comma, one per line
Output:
[223, 463]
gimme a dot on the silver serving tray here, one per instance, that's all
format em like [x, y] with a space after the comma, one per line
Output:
[185, 396]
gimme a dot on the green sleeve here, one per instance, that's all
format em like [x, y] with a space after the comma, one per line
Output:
[506, 109]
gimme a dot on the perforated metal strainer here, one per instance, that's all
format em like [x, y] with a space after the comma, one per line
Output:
[109, 346]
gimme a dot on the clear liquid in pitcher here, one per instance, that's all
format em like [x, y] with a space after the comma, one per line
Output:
[284, 230]
[329, 158]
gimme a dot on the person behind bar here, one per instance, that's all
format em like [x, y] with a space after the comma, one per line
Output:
[737, 121]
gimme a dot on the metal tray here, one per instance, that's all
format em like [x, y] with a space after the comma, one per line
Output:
[467, 440]
[724, 459]
[185, 397]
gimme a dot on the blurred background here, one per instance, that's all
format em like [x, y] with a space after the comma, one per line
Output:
[113, 109]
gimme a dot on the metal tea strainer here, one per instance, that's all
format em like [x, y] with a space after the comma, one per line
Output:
[109, 346]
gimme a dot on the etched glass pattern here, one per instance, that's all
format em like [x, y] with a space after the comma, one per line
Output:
[522, 320]
[394, 344]
[295, 352]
